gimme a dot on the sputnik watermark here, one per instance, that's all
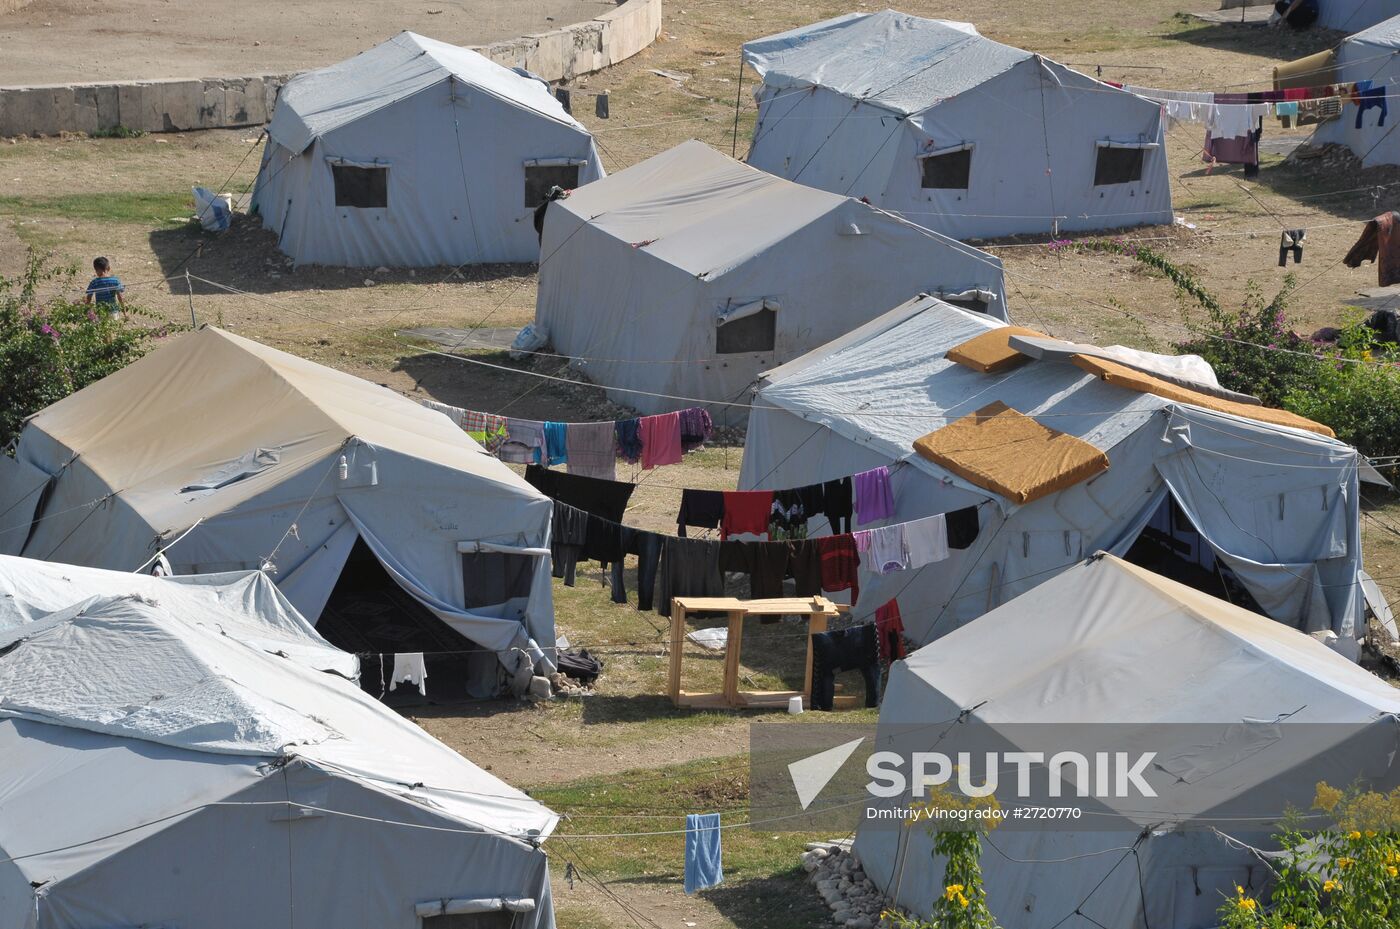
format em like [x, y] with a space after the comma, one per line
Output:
[1115, 775]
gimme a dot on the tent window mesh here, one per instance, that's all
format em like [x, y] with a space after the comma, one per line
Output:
[500, 919]
[366, 188]
[540, 178]
[756, 332]
[947, 172]
[494, 578]
[1118, 166]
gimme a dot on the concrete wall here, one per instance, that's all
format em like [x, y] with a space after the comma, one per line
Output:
[217, 103]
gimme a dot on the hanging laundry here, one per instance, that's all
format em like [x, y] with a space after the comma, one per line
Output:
[592, 450]
[787, 517]
[689, 568]
[702, 852]
[409, 668]
[629, 440]
[556, 444]
[926, 540]
[1179, 105]
[661, 440]
[766, 564]
[607, 499]
[889, 629]
[854, 649]
[567, 536]
[884, 547]
[837, 503]
[487, 429]
[647, 547]
[703, 509]
[1379, 242]
[696, 428]
[454, 413]
[840, 565]
[962, 527]
[805, 567]
[746, 511]
[1367, 97]
[524, 441]
[874, 498]
[1291, 241]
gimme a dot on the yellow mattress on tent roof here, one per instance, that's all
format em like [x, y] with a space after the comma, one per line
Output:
[990, 352]
[1011, 454]
[1123, 376]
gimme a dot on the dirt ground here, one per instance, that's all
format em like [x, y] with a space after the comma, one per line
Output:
[79, 41]
[129, 199]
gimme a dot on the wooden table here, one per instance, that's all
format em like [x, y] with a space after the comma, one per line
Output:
[818, 612]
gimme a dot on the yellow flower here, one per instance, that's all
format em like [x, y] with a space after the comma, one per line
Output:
[963, 901]
[1370, 833]
[1246, 903]
[1392, 871]
[952, 892]
[1354, 835]
[1345, 862]
[1329, 886]
[1327, 797]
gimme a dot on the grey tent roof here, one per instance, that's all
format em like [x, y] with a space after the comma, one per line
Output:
[705, 213]
[1384, 36]
[901, 62]
[317, 102]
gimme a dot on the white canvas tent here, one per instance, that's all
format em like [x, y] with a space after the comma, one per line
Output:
[171, 761]
[1275, 504]
[230, 455]
[956, 132]
[415, 153]
[690, 272]
[1108, 643]
[1372, 55]
[1352, 16]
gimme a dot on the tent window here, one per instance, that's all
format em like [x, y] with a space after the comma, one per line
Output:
[499, 919]
[756, 332]
[365, 188]
[1118, 166]
[947, 172]
[540, 178]
[494, 578]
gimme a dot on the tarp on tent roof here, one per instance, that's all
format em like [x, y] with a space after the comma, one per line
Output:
[245, 606]
[901, 62]
[320, 101]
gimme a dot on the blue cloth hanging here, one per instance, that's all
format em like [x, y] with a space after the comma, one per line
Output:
[556, 443]
[702, 855]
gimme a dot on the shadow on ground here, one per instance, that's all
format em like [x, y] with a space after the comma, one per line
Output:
[1280, 43]
[247, 257]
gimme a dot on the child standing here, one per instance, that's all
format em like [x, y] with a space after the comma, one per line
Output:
[105, 289]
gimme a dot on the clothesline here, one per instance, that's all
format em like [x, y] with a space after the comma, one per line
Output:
[587, 525]
[590, 449]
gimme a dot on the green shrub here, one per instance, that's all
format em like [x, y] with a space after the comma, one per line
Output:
[52, 346]
[1346, 877]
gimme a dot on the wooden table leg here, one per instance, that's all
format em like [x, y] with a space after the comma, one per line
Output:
[677, 647]
[733, 645]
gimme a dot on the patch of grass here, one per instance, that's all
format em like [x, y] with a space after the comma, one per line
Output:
[143, 209]
[118, 132]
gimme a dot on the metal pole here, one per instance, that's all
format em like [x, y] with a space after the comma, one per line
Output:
[738, 95]
[189, 287]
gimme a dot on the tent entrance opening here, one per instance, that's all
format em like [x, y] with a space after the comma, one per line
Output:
[1171, 546]
[370, 614]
